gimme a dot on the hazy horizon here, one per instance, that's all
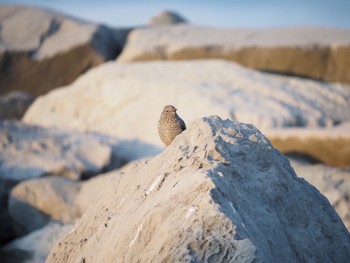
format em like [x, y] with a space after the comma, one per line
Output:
[222, 13]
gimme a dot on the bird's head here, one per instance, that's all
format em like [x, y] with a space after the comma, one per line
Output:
[169, 109]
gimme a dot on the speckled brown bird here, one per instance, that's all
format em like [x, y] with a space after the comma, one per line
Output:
[170, 124]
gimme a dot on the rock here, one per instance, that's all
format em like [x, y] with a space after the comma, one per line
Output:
[34, 203]
[34, 247]
[219, 193]
[41, 49]
[125, 100]
[318, 53]
[91, 189]
[14, 104]
[334, 183]
[28, 152]
[167, 18]
[329, 145]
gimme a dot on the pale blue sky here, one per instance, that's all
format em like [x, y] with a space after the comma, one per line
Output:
[227, 13]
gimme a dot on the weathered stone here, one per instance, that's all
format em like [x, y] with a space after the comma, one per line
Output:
[219, 193]
[34, 203]
[41, 50]
[28, 152]
[318, 53]
[91, 189]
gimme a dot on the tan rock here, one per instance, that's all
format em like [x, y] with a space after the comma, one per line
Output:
[218, 193]
[92, 189]
[34, 203]
[329, 145]
[28, 152]
[41, 50]
[318, 53]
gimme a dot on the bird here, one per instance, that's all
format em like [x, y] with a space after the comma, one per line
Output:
[170, 125]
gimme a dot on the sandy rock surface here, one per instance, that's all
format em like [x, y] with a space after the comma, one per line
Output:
[219, 192]
[41, 50]
[89, 190]
[320, 53]
[125, 100]
[35, 247]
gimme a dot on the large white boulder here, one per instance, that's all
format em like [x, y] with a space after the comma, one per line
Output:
[125, 100]
[320, 53]
[219, 193]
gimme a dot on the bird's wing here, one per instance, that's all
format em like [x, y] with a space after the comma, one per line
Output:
[182, 124]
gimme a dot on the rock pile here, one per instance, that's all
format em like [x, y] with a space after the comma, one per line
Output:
[31, 152]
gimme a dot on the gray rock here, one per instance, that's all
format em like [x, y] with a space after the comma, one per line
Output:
[28, 152]
[167, 18]
[318, 53]
[34, 247]
[41, 49]
[34, 203]
[219, 193]
[14, 104]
